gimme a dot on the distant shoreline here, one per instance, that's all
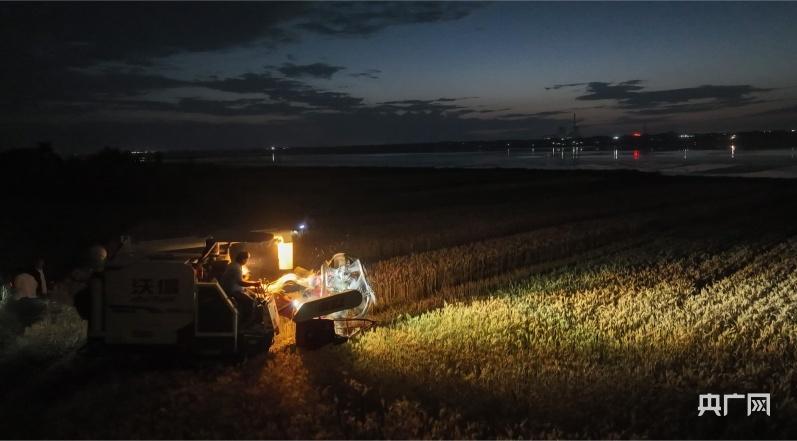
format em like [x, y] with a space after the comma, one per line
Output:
[771, 163]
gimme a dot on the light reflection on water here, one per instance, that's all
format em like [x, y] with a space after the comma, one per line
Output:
[780, 163]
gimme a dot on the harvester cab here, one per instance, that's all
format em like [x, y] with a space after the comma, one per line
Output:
[166, 293]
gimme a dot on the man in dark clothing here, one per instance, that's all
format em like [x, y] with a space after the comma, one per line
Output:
[234, 283]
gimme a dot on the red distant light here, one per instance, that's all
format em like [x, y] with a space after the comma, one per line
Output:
[637, 134]
[636, 155]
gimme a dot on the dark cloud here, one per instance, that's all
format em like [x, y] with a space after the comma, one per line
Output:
[716, 104]
[494, 110]
[632, 96]
[80, 92]
[372, 74]
[607, 91]
[515, 115]
[406, 107]
[87, 53]
[315, 70]
[561, 86]
[282, 89]
[53, 46]
[112, 90]
[438, 100]
[363, 19]
[534, 115]
[238, 107]
[81, 35]
[457, 99]
[73, 85]
[188, 106]
[294, 113]
[118, 83]
[436, 106]
[408, 102]
[85, 34]
[251, 83]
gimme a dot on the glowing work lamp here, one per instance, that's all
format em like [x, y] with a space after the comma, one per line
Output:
[284, 253]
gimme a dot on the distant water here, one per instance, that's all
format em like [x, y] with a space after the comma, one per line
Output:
[759, 163]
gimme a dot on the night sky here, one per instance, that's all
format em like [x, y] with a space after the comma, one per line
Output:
[199, 76]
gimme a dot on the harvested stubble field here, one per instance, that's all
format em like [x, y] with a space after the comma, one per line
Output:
[511, 304]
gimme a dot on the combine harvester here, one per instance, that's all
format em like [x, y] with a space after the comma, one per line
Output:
[166, 294]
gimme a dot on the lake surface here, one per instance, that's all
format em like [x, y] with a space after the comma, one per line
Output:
[759, 163]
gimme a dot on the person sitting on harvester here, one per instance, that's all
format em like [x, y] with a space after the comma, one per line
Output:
[235, 285]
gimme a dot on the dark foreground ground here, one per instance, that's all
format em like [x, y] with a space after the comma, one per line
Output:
[410, 225]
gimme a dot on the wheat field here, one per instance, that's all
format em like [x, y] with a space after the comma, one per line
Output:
[606, 343]
[534, 325]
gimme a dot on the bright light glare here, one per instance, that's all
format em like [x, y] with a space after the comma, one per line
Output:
[285, 255]
[615, 137]
[302, 226]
